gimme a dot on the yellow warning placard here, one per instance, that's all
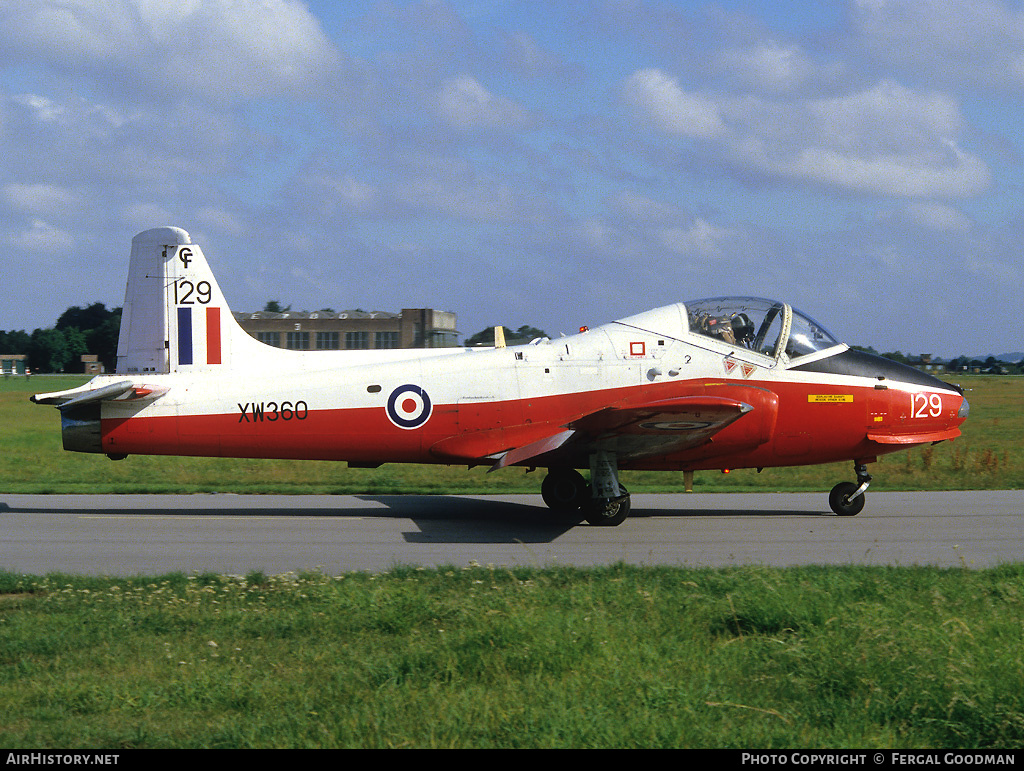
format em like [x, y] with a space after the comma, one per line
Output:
[829, 398]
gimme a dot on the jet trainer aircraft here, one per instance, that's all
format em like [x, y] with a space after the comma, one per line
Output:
[722, 383]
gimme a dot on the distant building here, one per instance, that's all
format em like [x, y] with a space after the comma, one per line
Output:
[925, 362]
[91, 364]
[13, 363]
[347, 330]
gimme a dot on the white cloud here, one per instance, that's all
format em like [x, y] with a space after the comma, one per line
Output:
[44, 109]
[353, 194]
[219, 218]
[43, 237]
[977, 42]
[333, 194]
[658, 98]
[701, 238]
[527, 56]
[885, 117]
[596, 234]
[891, 174]
[885, 140]
[937, 216]
[994, 271]
[768, 66]
[40, 198]
[223, 49]
[643, 209]
[48, 111]
[464, 103]
[476, 201]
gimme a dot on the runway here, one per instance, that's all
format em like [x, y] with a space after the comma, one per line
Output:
[236, 534]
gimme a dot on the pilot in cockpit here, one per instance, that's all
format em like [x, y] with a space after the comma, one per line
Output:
[743, 329]
[734, 328]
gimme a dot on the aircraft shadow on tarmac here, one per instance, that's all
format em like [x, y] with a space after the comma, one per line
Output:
[426, 507]
[438, 518]
[455, 507]
[448, 519]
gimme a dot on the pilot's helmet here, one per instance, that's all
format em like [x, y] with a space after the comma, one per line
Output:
[742, 327]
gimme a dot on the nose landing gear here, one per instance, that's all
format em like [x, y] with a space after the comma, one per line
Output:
[847, 498]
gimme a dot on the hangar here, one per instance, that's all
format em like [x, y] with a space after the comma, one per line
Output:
[345, 330]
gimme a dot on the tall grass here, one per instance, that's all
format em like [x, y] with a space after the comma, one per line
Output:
[487, 657]
[988, 455]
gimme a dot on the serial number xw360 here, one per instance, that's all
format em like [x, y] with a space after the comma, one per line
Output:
[258, 412]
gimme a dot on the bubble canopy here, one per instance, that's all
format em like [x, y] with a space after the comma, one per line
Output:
[767, 327]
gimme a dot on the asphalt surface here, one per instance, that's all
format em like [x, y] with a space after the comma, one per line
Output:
[236, 534]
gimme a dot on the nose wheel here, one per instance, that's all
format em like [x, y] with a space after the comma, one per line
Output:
[847, 498]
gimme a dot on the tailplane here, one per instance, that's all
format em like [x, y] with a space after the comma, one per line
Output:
[175, 317]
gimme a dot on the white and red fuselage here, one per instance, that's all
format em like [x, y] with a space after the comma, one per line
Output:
[469, 405]
[711, 384]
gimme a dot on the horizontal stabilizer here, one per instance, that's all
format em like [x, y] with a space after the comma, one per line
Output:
[123, 390]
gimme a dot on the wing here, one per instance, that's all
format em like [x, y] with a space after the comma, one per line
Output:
[636, 431]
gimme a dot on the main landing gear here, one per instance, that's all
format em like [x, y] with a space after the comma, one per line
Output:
[605, 501]
[847, 498]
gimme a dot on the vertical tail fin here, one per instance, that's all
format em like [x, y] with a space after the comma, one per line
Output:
[175, 317]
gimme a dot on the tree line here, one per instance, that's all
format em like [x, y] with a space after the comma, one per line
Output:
[989, 366]
[92, 329]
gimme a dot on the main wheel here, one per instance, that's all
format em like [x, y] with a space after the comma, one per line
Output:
[608, 511]
[841, 502]
[565, 490]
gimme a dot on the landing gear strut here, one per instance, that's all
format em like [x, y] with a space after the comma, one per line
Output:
[609, 503]
[605, 501]
[847, 498]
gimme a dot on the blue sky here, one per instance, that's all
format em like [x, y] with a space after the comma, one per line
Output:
[551, 164]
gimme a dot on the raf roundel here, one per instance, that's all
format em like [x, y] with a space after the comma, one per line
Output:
[408, 406]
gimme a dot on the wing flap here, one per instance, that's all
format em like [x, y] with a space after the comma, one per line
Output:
[532, 450]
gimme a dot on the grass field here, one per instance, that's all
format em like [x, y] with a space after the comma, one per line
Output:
[480, 656]
[487, 657]
[988, 455]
